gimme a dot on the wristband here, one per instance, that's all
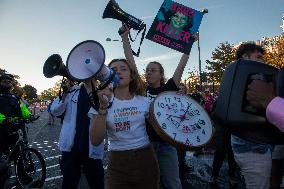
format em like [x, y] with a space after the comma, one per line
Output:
[102, 111]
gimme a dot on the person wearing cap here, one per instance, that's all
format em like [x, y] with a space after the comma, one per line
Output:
[9, 108]
[252, 156]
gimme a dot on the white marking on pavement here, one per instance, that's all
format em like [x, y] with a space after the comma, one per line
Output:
[53, 178]
[52, 157]
[49, 167]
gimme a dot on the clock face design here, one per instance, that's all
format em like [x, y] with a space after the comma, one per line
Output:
[182, 119]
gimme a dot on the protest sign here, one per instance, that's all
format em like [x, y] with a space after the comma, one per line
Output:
[174, 26]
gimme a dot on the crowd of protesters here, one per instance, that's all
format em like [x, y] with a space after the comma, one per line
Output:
[138, 157]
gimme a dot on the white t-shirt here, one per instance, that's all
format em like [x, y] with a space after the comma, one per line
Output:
[125, 121]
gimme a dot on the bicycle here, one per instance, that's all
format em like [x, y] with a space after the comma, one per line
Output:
[29, 164]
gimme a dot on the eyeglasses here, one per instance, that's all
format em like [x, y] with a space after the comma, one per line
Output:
[152, 70]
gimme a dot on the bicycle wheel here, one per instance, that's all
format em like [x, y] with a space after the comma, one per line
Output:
[30, 169]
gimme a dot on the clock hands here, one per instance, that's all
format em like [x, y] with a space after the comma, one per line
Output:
[180, 117]
[188, 106]
[173, 116]
[183, 117]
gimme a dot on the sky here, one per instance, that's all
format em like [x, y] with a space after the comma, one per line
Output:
[32, 30]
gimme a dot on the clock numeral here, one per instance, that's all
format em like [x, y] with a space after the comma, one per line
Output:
[164, 126]
[161, 105]
[177, 99]
[198, 126]
[193, 127]
[186, 129]
[174, 135]
[203, 131]
[202, 122]
[175, 122]
[189, 105]
[168, 100]
[197, 139]
[169, 117]
[187, 142]
[196, 112]
[159, 114]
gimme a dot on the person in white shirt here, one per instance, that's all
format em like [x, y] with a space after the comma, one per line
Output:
[132, 161]
[74, 142]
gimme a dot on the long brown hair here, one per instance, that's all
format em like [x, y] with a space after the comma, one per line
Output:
[136, 85]
[162, 71]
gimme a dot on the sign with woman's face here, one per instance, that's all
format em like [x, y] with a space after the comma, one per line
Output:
[174, 26]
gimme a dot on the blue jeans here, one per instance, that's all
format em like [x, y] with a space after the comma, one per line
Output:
[254, 161]
[168, 164]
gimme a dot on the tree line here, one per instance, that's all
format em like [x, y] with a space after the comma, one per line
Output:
[221, 57]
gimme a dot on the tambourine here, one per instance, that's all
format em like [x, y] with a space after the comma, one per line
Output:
[180, 120]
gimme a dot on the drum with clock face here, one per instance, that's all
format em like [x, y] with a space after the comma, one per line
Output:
[180, 120]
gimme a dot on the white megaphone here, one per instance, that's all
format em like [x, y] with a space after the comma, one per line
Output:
[86, 61]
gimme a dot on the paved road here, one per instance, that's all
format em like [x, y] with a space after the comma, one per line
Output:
[44, 138]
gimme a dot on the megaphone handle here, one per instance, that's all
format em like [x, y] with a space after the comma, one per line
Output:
[60, 93]
[121, 30]
[108, 82]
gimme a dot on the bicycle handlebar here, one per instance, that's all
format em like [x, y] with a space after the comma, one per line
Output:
[15, 121]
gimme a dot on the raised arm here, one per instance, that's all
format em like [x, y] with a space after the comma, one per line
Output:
[182, 63]
[124, 31]
[180, 68]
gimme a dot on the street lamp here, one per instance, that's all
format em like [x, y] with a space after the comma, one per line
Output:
[204, 11]
[109, 39]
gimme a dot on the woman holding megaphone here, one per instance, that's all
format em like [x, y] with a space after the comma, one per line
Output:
[132, 161]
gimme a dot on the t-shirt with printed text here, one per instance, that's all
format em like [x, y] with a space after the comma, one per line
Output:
[125, 122]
